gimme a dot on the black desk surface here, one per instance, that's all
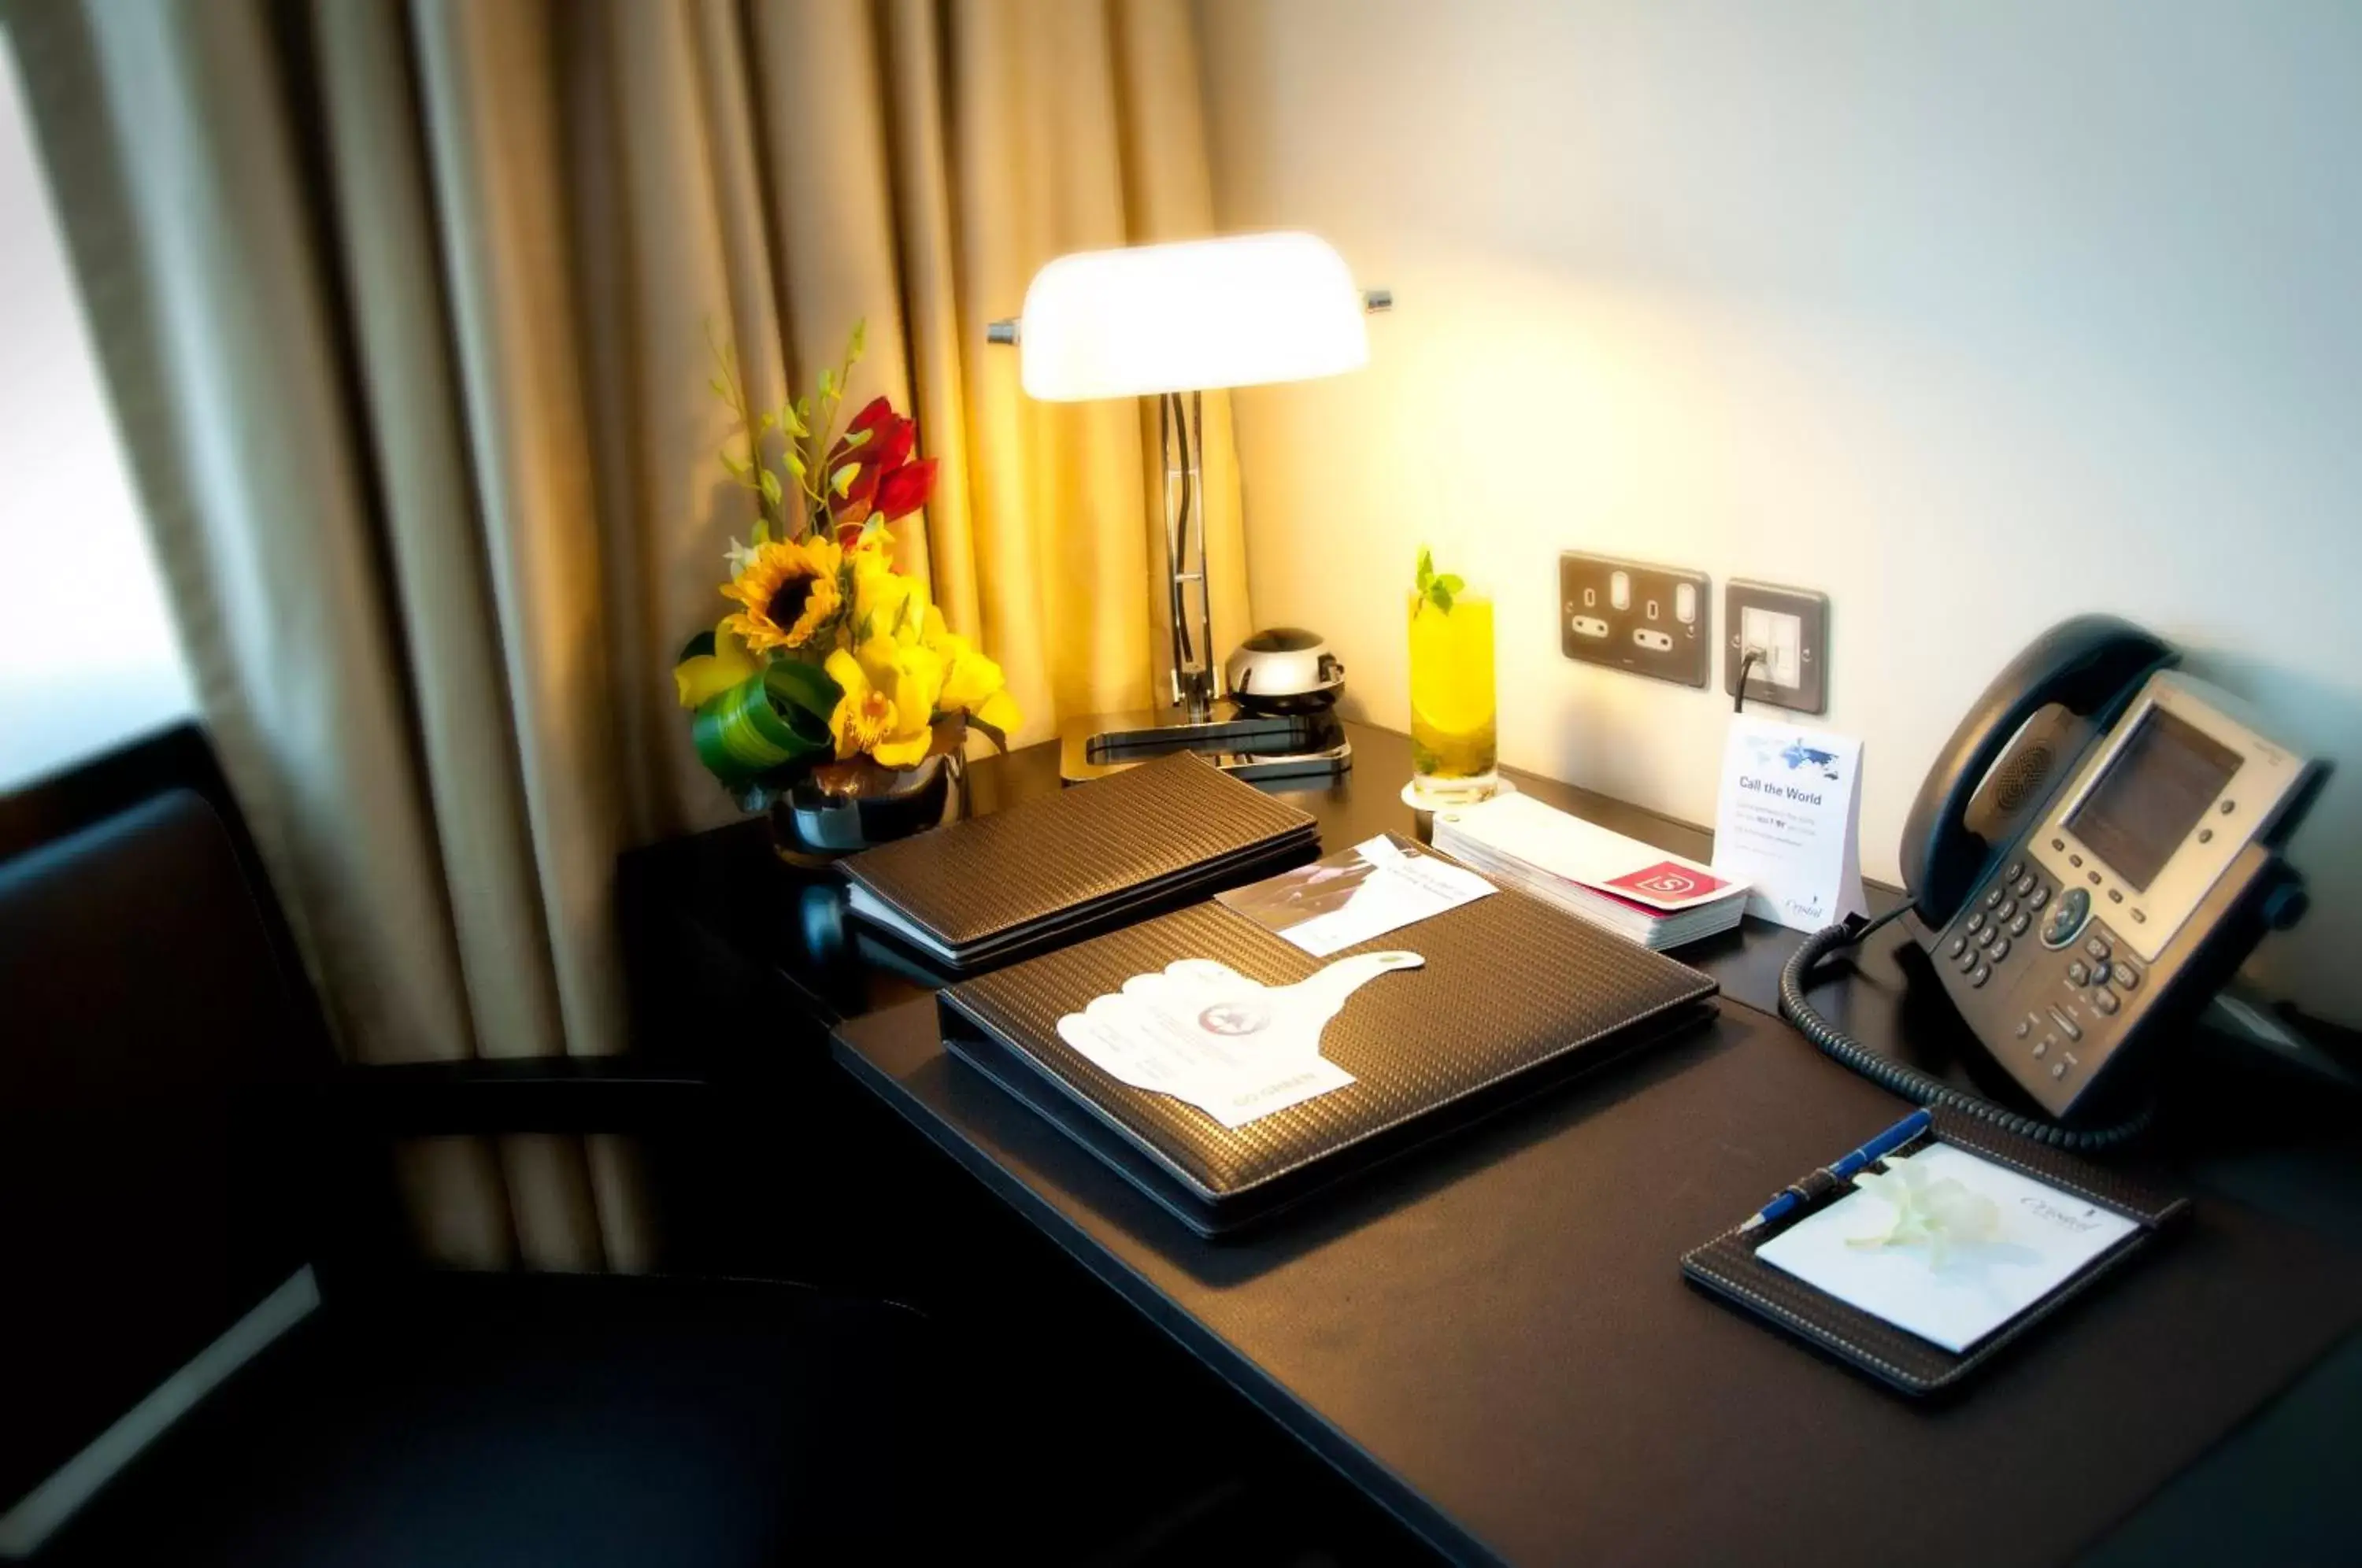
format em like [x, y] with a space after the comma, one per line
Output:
[1495, 1342]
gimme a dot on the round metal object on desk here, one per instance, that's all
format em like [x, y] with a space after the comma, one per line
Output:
[1285, 669]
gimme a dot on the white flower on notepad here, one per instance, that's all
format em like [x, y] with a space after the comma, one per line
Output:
[1938, 1213]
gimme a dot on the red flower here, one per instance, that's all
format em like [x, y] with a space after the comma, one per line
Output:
[885, 480]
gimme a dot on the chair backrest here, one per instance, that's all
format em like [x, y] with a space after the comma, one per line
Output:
[154, 1051]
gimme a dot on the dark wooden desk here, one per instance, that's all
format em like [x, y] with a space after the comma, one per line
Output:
[1495, 1342]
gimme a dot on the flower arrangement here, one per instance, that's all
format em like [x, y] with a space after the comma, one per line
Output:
[834, 668]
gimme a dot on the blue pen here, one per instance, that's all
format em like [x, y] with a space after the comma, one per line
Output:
[1878, 1148]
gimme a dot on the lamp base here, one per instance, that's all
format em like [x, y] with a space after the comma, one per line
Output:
[1254, 746]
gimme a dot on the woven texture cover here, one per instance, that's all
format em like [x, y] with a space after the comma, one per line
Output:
[1048, 858]
[1509, 984]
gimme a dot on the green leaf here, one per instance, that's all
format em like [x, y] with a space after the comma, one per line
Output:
[1440, 597]
[828, 386]
[860, 338]
[791, 420]
[842, 481]
[795, 463]
[1451, 584]
[770, 487]
[856, 438]
[805, 687]
[738, 467]
[1426, 570]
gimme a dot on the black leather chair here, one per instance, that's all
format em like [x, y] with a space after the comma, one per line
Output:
[188, 1214]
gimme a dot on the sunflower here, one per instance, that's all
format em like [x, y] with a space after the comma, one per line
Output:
[789, 591]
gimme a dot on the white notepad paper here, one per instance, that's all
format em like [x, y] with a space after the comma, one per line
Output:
[2041, 1239]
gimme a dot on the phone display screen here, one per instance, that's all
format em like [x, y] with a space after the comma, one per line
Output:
[2154, 792]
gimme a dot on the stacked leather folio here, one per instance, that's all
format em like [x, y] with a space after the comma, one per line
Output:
[999, 885]
[1514, 997]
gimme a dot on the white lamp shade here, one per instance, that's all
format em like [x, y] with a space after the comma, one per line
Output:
[1192, 316]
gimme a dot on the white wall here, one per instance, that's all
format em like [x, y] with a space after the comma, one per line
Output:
[87, 656]
[1972, 315]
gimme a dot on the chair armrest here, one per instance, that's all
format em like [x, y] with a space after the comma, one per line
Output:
[550, 1094]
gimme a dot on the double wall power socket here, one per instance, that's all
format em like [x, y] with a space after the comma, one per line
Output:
[1628, 615]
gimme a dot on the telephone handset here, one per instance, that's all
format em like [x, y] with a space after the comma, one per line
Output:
[2094, 852]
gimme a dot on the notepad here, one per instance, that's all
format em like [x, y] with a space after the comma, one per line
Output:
[2041, 1239]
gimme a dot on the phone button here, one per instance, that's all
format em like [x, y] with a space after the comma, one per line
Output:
[2067, 1025]
[1976, 922]
[2067, 918]
[2022, 886]
[2100, 951]
[2018, 927]
[2125, 976]
[1995, 896]
[2007, 912]
[1959, 944]
[2077, 974]
[1979, 975]
[2025, 1027]
[2106, 1001]
[2039, 897]
[2000, 949]
[2057, 1069]
[2016, 870]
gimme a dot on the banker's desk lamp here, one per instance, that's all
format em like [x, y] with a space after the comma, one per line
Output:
[1173, 322]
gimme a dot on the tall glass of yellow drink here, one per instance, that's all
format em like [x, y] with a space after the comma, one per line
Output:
[1453, 741]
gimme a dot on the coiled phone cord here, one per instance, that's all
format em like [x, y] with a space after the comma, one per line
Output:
[1909, 1082]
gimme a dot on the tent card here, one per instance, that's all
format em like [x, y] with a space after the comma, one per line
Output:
[1234, 1047]
[1789, 821]
[2014, 1240]
[1380, 884]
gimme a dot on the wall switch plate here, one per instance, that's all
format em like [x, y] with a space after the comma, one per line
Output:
[1648, 620]
[1790, 625]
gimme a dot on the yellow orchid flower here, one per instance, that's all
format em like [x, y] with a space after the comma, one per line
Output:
[886, 604]
[888, 706]
[999, 710]
[702, 676]
[969, 678]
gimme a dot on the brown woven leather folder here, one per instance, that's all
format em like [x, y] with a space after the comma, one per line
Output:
[996, 886]
[1514, 995]
[1728, 1268]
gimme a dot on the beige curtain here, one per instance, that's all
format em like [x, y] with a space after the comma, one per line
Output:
[404, 308]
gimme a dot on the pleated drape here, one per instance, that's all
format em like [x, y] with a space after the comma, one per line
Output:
[405, 310]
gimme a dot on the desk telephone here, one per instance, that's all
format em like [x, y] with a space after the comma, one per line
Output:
[2093, 854]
